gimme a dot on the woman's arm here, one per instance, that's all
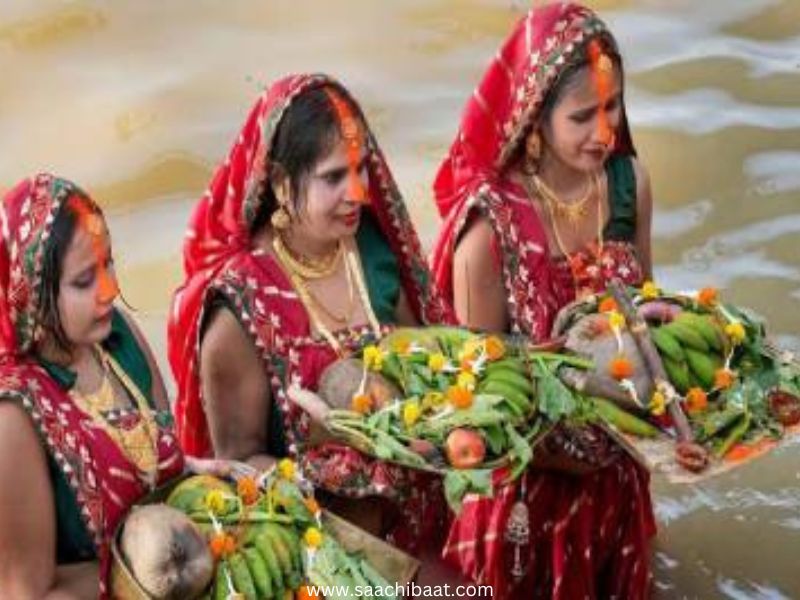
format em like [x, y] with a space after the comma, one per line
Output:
[27, 519]
[478, 290]
[236, 393]
[644, 218]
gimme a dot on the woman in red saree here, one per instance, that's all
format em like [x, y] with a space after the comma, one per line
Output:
[543, 202]
[301, 249]
[85, 429]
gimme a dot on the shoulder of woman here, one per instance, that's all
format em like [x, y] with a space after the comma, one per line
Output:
[225, 342]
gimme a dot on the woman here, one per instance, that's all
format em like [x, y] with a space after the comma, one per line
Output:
[85, 429]
[300, 250]
[543, 202]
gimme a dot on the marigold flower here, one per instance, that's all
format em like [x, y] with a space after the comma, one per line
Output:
[437, 361]
[466, 379]
[658, 404]
[650, 290]
[215, 501]
[247, 490]
[469, 350]
[312, 505]
[307, 593]
[459, 397]
[723, 379]
[495, 348]
[736, 332]
[401, 347]
[361, 403]
[286, 468]
[696, 400]
[431, 399]
[620, 368]
[221, 545]
[708, 297]
[313, 537]
[373, 357]
[616, 320]
[607, 304]
[411, 412]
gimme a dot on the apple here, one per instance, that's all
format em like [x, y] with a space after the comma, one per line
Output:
[465, 448]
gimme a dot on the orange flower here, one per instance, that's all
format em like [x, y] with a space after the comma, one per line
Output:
[361, 403]
[247, 489]
[306, 593]
[607, 304]
[312, 505]
[495, 348]
[222, 545]
[696, 400]
[620, 367]
[723, 379]
[459, 397]
[708, 297]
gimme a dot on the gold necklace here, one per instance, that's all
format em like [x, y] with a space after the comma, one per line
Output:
[139, 444]
[595, 184]
[354, 271]
[572, 212]
[308, 268]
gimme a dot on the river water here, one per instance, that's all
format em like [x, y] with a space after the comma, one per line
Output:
[137, 101]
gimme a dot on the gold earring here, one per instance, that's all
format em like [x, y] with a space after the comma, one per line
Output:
[534, 146]
[280, 219]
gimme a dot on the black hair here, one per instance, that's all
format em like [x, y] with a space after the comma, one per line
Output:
[307, 132]
[564, 82]
[55, 249]
[566, 79]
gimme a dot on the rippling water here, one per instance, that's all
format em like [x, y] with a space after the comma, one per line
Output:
[137, 101]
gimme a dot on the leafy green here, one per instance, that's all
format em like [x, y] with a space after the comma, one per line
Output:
[459, 483]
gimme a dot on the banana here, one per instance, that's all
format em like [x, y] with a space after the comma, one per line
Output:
[510, 393]
[687, 335]
[512, 364]
[242, 579]
[293, 543]
[258, 569]
[221, 589]
[703, 366]
[283, 554]
[512, 378]
[264, 548]
[678, 373]
[705, 326]
[667, 345]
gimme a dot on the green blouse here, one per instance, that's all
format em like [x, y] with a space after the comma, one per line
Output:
[621, 225]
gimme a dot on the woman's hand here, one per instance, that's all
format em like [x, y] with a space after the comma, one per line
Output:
[316, 408]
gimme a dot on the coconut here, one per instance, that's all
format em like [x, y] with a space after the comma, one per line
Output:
[342, 379]
[166, 553]
[592, 337]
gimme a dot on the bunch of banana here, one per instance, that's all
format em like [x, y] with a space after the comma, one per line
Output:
[510, 379]
[267, 565]
[692, 347]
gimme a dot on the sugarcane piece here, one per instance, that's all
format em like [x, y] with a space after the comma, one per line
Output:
[641, 334]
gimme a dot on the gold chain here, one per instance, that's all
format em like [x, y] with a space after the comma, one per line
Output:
[354, 272]
[307, 267]
[594, 186]
[140, 444]
[572, 212]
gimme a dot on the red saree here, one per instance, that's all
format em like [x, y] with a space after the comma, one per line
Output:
[105, 481]
[220, 262]
[588, 535]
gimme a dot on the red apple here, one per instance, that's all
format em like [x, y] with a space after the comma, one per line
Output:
[465, 448]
